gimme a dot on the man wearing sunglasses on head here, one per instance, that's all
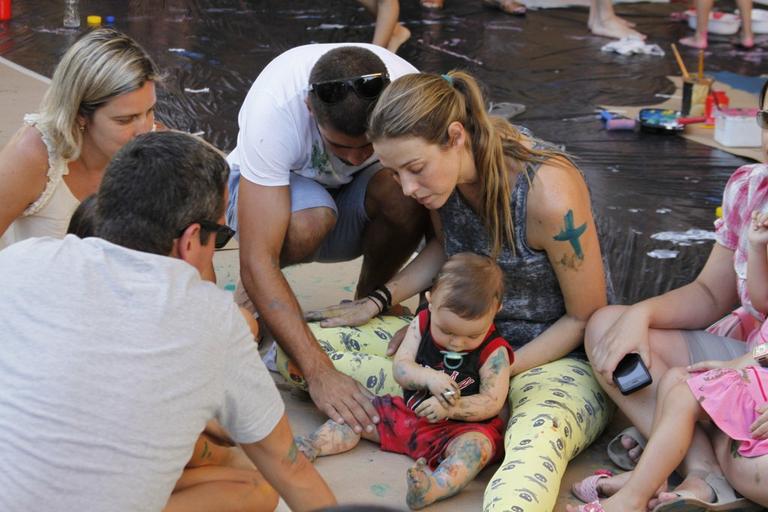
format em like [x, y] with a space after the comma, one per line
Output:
[306, 186]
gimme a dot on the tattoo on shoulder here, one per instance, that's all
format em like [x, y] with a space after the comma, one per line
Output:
[571, 234]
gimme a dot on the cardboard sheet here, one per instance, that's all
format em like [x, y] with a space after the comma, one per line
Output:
[701, 133]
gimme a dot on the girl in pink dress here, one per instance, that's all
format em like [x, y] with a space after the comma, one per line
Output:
[733, 394]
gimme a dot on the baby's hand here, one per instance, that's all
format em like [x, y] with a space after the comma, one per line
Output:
[443, 388]
[758, 233]
[432, 409]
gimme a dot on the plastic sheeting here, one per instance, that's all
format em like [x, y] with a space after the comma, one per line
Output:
[641, 184]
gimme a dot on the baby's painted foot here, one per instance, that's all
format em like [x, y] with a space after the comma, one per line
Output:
[746, 43]
[694, 42]
[420, 483]
[306, 447]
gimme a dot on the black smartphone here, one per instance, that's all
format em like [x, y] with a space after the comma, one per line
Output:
[631, 374]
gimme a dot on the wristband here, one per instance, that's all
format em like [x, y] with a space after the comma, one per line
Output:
[383, 289]
[377, 302]
[381, 298]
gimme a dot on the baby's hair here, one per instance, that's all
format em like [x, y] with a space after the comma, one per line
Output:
[471, 285]
[83, 221]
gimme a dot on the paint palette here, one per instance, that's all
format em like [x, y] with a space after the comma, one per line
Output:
[659, 120]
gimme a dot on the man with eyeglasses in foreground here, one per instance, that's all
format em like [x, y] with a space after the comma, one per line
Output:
[115, 353]
[306, 186]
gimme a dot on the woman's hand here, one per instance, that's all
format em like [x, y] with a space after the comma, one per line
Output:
[348, 313]
[443, 388]
[629, 333]
[432, 409]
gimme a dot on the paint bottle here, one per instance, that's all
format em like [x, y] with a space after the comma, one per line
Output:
[71, 14]
[93, 21]
[5, 10]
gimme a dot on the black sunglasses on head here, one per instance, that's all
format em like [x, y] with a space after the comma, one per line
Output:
[762, 119]
[367, 87]
[223, 232]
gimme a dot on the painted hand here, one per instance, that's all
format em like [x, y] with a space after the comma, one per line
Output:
[396, 340]
[443, 388]
[350, 313]
[432, 409]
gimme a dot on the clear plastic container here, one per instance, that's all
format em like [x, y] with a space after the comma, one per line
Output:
[71, 14]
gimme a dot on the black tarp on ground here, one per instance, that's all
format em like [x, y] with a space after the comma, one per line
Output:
[641, 184]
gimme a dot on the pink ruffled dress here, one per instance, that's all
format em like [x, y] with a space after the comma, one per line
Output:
[731, 398]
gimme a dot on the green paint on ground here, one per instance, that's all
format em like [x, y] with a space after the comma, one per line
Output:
[380, 489]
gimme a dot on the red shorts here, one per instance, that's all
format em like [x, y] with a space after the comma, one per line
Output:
[402, 431]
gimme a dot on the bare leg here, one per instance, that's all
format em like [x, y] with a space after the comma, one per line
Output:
[220, 478]
[331, 438]
[397, 225]
[465, 457]
[604, 22]
[221, 489]
[746, 475]
[676, 415]
[745, 9]
[388, 33]
[668, 349]
[699, 39]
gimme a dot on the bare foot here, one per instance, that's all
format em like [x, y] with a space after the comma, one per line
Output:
[420, 482]
[432, 4]
[507, 6]
[634, 450]
[399, 36]
[306, 447]
[694, 42]
[693, 484]
[747, 42]
[614, 27]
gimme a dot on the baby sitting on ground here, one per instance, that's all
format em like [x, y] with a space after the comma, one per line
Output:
[454, 370]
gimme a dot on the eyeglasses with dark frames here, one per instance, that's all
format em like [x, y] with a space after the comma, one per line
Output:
[223, 232]
[366, 87]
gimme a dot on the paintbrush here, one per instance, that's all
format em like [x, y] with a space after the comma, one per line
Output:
[701, 64]
[680, 62]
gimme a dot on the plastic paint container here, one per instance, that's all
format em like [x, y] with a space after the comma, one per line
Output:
[93, 20]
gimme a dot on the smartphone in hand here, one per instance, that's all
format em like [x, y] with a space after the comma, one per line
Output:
[631, 374]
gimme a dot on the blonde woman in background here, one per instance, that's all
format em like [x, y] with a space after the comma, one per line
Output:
[101, 96]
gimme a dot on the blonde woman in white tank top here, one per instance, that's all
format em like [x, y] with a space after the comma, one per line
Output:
[101, 96]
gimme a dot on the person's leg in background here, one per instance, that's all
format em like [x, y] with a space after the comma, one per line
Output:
[604, 22]
[389, 32]
[557, 410]
[699, 39]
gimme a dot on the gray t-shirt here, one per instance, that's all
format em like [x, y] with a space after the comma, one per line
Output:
[111, 363]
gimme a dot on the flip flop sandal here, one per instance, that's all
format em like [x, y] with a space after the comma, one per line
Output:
[725, 499]
[620, 455]
[502, 5]
[586, 490]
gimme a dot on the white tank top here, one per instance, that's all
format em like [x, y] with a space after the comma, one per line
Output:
[49, 215]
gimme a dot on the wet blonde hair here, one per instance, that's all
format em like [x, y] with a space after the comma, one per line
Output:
[470, 284]
[101, 65]
[424, 105]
